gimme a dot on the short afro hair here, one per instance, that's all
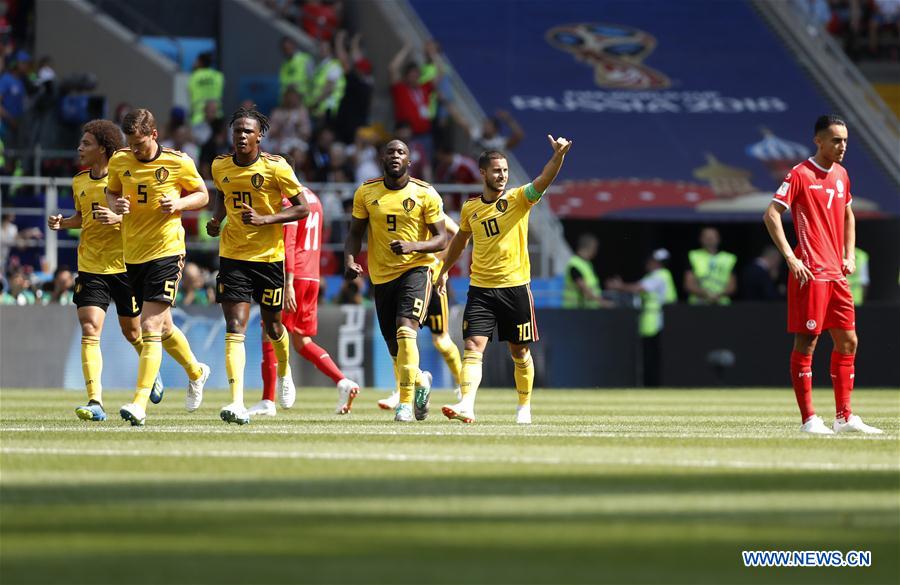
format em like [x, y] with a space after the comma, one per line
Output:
[107, 135]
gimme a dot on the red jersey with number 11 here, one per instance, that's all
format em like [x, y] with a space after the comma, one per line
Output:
[303, 241]
[818, 199]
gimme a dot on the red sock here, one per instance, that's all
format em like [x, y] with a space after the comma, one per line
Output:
[842, 374]
[320, 358]
[801, 378]
[269, 371]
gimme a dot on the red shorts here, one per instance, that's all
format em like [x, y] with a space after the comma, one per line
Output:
[820, 305]
[304, 321]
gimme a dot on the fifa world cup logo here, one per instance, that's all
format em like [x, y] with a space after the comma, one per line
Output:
[614, 51]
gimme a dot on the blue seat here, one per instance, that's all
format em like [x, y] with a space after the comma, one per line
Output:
[261, 89]
[190, 48]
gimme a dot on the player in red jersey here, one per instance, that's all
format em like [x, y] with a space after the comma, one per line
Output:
[817, 191]
[302, 245]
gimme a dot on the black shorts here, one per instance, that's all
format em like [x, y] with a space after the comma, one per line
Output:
[438, 313]
[97, 290]
[510, 310]
[240, 281]
[405, 296]
[156, 280]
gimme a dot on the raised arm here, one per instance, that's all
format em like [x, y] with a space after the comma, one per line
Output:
[395, 68]
[560, 146]
[516, 133]
[352, 246]
[772, 219]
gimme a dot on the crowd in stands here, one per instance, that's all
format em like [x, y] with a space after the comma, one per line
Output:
[867, 29]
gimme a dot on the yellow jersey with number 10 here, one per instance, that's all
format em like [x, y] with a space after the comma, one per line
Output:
[499, 238]
[261, 185]
[148, 232]
[401, 214]
[100, 245]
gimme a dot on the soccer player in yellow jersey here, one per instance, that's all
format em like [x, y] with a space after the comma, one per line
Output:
[101, 264]
[250, 184]
[499, 293]
[150, 186]
[405, 221]
[438, 320]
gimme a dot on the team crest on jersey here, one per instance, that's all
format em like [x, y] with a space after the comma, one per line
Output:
[162, 173]
[502, 204]
[840, 186]
[811, 324]
[408, 204]
[257, 181]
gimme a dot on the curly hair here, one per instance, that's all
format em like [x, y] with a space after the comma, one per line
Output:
[251, 113]
[107, 135]
[139, 121]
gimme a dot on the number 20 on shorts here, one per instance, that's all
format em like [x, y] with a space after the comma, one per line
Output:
[272, 297]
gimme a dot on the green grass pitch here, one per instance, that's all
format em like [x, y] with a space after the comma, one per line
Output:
[620, 486]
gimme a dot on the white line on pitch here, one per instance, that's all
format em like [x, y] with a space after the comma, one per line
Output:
[425, 458]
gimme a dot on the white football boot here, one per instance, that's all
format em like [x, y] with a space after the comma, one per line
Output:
[391, 402]
[234, 413]
[459, 411]
[262, 408]
[194, 397]
[133, 414]
[403, 413]
[523, 415]
[815, 426]
[854, 424]
[347, 391]
[287, 394]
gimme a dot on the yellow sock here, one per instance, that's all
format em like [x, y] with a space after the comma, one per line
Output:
[235, 361]
[92, 367]
[138, 345]
[282, 352]
[396, 374]
[524, 375]
[177, 346]
[470, 375]
[407, 363]
[148, 368]
[448, 349]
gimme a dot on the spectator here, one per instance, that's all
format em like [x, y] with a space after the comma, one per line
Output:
[759, 280]
[59, 290]
[219, 143]
[9, 233]
[205, 85]
[182, 140]
[411, 97]
[320, 19]
[581, 287]
[353, 112]
[859, 280]
[328, 84]
[488, 136]
[20, 290]
[13, 96]
[203, 130]
[194, 288]
[349, 294]
[121, 111]
[289, 124]
[657, 289]
[846, 23]
[419, 159]
[364, 156]
[710, 279]
[296, 69]
[453, 167]
[885, 18]
[339, 170]
[320, 155]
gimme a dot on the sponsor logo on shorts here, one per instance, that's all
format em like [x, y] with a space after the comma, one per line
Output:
[811, 324]
[162, 173]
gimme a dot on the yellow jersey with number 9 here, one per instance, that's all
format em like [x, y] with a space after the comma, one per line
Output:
[499, 238]
[261, 185]
[401, 214]
[100, 245]
[148, 232]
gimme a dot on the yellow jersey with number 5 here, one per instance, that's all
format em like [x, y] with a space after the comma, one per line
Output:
[397, 214]
[261, 184]
[100, 245]
[149, 233]
[499, 237]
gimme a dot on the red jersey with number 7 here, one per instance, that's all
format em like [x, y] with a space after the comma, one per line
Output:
[303, 241]
[818, 199]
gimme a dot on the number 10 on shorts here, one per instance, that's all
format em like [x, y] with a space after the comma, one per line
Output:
[524, 331]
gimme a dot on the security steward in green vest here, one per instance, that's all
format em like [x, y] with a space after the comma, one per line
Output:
[296, 69]
[205, 84]
[710, 280]
[581, 288]
[328, 83]
[859, 279]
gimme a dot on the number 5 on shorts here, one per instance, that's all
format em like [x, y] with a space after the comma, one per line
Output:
[169, 288]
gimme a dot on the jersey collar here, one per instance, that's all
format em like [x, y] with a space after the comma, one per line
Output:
[159, 149]
[100, 178]
[499, 197]
[249, 164]
[815, 164]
